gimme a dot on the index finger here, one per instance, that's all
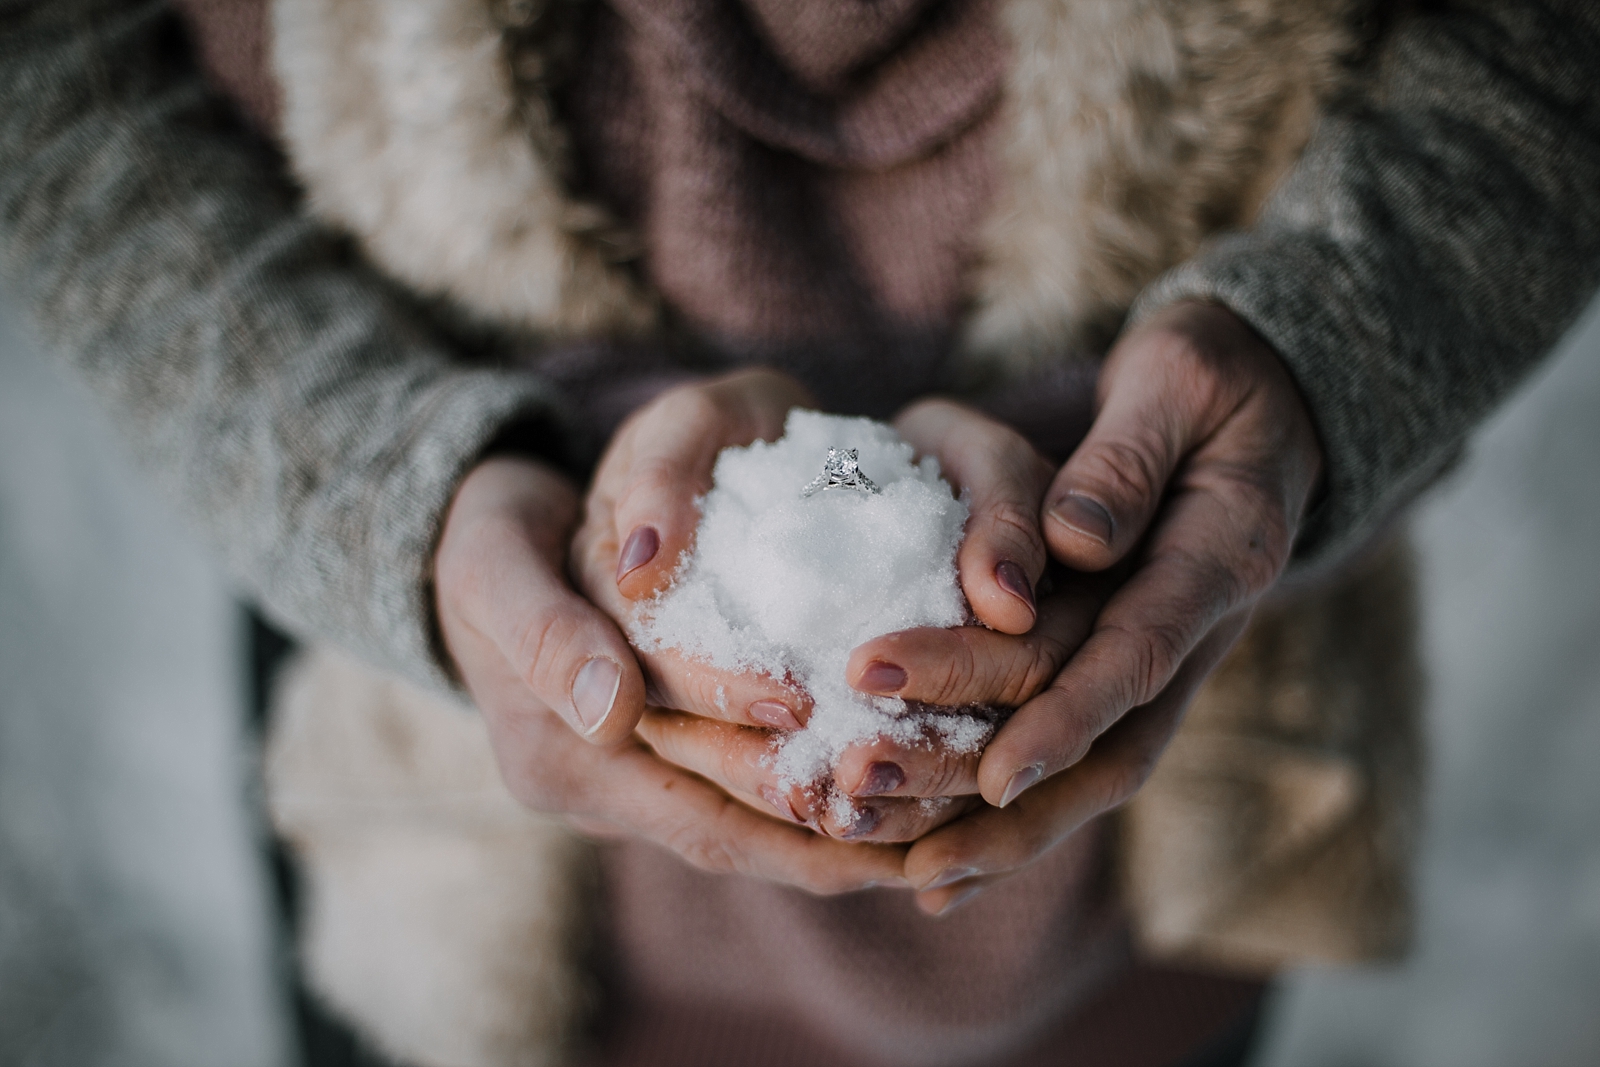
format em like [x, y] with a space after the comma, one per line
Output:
[1003, 478]
[683, 683]
[631, 788]
[1218, 547]
[644, 502]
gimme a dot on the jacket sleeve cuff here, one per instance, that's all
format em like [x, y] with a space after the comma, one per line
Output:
[357, 563]
[1369, 412]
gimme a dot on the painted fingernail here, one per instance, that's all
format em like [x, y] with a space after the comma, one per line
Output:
[881, 777]
[780, 803]
[641, 548]
[1026, 778]
[950, 875]
[862, 822]
[1086, 515]
[774, 713]
[1014, 580]
[594, 691]
[881, 677]
[959, 899]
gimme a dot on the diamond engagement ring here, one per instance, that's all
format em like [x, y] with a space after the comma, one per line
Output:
[841, 470]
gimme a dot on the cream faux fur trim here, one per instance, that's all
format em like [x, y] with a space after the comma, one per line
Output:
[442, 919]
[402, 120]
[410, 128]
[1177, 119]
[1279, 824]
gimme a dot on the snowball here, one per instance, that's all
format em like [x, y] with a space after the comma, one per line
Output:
[788, 585]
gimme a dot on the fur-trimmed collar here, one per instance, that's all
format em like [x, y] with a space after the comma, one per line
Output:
[1133, 128]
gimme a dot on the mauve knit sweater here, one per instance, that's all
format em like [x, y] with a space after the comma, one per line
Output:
[1440, 233]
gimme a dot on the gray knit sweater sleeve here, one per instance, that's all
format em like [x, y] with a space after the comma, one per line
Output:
[1439, 235]
[310, 424]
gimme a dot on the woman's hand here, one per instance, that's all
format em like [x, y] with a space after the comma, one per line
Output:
[1178, 511]
[641, 516]
[561, 693]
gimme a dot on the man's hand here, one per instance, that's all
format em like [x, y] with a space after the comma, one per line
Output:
[1192, 483]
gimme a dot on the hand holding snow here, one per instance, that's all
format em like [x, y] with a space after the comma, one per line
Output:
[787, 585]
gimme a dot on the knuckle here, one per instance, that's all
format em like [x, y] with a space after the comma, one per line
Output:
[1260, 536]
[653, 479]
[691, 402]
[1267, 547]
[1151, 653]
[948, 774]
[701, 848]
[1165, 645]
[468, 557]
[1129, 469]
[1041, 662]
[1016, 525]
[1214, 584]
[541, 648]
[826, 883]
[953, 680]
[459, 578]
[704, 692]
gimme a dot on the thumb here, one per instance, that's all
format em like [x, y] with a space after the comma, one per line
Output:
[1154, 410]
[1003, 554]
[521, 637]
[571, 657]
[651, 486]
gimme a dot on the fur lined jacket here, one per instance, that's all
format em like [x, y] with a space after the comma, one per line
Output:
[514, 219]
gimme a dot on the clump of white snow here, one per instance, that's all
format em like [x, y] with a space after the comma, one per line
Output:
[788, 585]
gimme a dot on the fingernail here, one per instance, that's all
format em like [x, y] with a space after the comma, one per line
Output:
[881, 777]
[774, 713]
[594, 691]
[863, 822]
[1014, 580]
[641, 548]
[1023, 779]
[959, 899]
[1086, 515]
[881, 677]
[780, 803]
[887, 883]
[951, 874]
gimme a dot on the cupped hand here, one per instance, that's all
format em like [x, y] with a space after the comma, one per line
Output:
[640, 517]
[1176, 513]
[561, 693]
